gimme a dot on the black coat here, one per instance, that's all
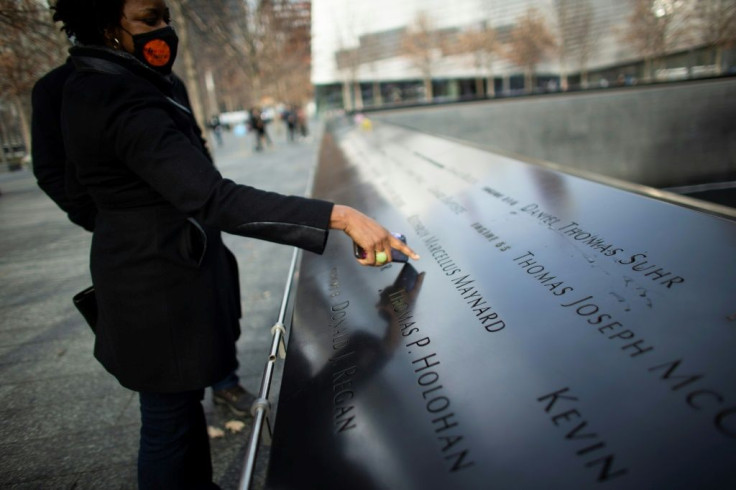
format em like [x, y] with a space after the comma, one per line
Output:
[167, 287]
[49, 157]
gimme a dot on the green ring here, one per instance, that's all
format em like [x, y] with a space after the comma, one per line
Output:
[381, 257]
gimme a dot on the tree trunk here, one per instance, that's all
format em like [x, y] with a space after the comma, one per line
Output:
[255, 88]
[657, 65]
[347, 101]
[3, 140]
[690, 60]
[358, 94]
[428, 89]
[528, 80]
[719, 60]
[491, 86]
[190, 75]
[377, 97]
[212, 105]
[25, 125]
[584, 72]
[648, 69]
[479, 92]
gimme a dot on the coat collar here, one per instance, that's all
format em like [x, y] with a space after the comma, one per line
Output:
[105, 60]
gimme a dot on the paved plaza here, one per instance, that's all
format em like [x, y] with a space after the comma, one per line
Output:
[66, 422]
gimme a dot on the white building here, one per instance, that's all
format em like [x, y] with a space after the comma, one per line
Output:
[357, 54]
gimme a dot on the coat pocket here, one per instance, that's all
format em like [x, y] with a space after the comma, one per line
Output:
[196, 241]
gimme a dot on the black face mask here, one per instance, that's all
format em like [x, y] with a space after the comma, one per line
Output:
[157, 49]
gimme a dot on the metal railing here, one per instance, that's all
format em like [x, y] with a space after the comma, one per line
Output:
[261, 407]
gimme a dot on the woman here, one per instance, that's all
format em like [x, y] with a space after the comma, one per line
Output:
[166, 286]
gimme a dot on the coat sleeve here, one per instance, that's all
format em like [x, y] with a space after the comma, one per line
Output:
[50, 165]
[148, 141]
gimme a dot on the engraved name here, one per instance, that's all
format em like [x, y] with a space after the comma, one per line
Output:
[486, 314]
[437, 404]
[448, 201]
[587, 444]
[343, 370]
[698, 396]
[636, 262]
[584, 307]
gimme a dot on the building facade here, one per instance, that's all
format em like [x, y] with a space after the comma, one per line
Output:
[360, 57]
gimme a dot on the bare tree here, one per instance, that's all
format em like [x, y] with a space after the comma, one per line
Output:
[422, 45]
[714, 24]
[291, 63]
[280, 42]
[29, 47]
[575, 36]
[219, 56]
[530, 42]
[483, 45]
[654, 28]
[231, 37]
[251, 51]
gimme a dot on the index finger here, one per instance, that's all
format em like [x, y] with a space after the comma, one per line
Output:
[404, 248]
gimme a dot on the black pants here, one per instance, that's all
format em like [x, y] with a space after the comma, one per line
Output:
[175, 448]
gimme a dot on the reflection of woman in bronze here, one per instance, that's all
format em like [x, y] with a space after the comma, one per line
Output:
[313, 452]
[397, 299]
[166, 286]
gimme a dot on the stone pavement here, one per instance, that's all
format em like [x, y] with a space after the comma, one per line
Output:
[66, 422]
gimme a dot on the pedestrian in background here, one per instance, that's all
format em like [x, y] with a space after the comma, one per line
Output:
[258, 126]
[301, 121]
[289, 116]
[167, 288]
[216, 128]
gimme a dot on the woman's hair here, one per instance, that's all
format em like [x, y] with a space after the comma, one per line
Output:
[86, 20]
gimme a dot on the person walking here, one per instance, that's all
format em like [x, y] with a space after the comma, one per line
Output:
[289, 116]
[216, 128]
[258, 126]
[167, 288]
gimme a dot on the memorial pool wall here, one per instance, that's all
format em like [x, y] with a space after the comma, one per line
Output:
[662, 135]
